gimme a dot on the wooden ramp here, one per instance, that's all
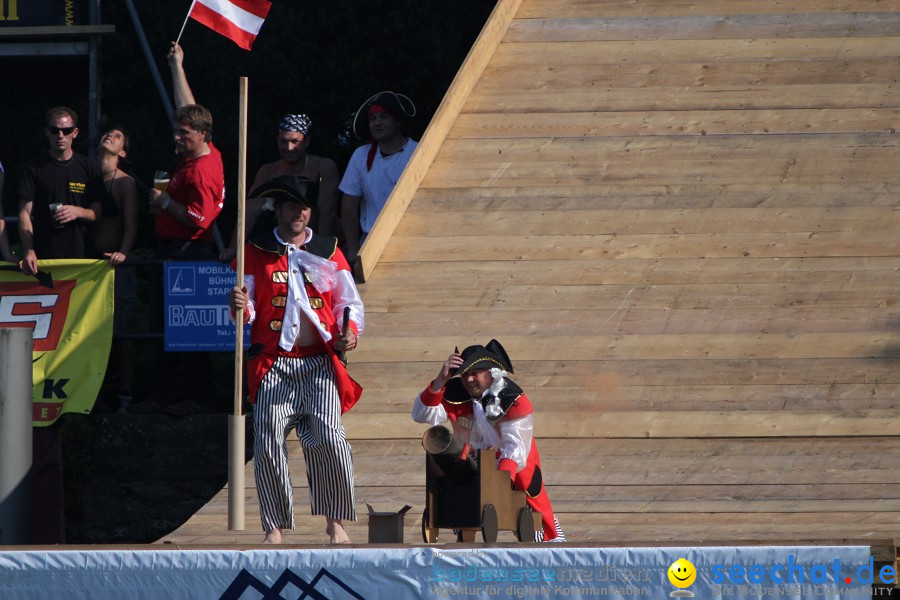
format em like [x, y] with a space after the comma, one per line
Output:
[681, 219]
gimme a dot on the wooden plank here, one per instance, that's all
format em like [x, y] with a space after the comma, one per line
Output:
[675, 194]
[685, 98]
[649, 347]
[602, 375]
[665, 160]
[592, 499]
[794, 461]
[675, 424]
[213, 536]
[641, 171]
[485, 155]
[686, 123]
[597, 53]
[644, 498]
[677, 462]
[858, 145]
[210, 534]
[637, 271]
[478, 57]
[711, 26]
[663, 498]
[615, 394]
[626, 297]
[692, 76]
[534, 9]
[640, 246]
[399, 326]
[683, 221]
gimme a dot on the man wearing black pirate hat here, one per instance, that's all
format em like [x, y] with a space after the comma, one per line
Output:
[489, 411]
[297, 286]
[376, 166]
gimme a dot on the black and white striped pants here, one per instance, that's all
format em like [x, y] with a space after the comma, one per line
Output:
[301, 394]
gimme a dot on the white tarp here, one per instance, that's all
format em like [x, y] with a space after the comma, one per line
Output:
[401, 573]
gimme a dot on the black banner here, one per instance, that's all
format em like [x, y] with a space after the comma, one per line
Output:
[34, 13]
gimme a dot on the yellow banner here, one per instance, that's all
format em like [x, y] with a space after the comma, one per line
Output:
[69, 307]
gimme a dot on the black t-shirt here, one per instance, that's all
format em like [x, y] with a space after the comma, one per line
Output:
[47, 181]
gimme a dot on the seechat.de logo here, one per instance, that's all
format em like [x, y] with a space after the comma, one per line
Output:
[682, 573]
[41, 308]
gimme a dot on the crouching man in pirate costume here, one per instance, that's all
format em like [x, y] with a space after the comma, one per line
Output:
[489, 411]
[297, 286]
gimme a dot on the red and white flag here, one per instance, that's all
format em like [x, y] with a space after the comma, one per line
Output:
[238, 20]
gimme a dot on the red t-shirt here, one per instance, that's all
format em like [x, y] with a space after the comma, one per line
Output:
[198, 184]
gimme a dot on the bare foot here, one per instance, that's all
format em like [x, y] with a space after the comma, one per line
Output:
[335, 531]
[273, 537]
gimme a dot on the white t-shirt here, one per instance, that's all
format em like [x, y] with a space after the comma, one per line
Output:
[374, 186]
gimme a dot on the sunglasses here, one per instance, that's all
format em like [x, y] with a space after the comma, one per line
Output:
[65, 130]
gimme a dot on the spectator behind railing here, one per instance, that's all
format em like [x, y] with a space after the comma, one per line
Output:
[185, 216]
[59, 194]
[5, 253]
[114, 236]
[293, 140]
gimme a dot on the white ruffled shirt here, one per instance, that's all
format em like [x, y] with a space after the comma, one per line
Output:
[512, 437]
[295, 329]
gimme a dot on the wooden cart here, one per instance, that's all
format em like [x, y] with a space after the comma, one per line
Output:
[474, 498]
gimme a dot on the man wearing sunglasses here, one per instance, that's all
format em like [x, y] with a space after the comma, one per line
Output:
[59, 194]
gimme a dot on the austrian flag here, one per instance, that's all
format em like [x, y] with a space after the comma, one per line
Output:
[238, 20]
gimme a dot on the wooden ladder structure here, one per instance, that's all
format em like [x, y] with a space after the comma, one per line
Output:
[681, 220]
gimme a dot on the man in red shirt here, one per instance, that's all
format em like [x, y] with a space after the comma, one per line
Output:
[185, 216]
[186, 211]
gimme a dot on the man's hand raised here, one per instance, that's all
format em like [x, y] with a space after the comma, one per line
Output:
[453, 362]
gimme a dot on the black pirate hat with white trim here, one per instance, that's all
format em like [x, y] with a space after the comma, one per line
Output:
[292, 188]
[476, 358]
[491, 356]
[397, 105]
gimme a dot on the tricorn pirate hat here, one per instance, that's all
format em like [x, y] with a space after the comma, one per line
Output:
[291, 188]
[397, 105]
[491, 356]
[476, 358]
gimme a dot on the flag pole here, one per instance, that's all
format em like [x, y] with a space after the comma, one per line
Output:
[148, 56]
[236, 421]
[183, 25]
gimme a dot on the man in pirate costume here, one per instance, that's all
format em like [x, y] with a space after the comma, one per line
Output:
[374, 167]
[488, 410]
[296, 289]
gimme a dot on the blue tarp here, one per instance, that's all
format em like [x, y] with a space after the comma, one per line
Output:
[540, 571]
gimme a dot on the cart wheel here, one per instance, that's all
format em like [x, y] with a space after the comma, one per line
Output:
[525, 525]
[489, 528]
[429, 534]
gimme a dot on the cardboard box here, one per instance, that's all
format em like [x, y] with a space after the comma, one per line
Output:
[386, 527]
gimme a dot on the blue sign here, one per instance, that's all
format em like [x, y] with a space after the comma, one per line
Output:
[196, 304]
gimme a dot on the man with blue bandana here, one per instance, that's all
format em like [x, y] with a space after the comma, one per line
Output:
[293, 139]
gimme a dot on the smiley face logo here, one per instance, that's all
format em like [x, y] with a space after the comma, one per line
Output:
[682, 573]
